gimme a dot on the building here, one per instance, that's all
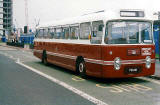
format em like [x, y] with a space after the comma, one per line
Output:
[1, 17]
[6, 17]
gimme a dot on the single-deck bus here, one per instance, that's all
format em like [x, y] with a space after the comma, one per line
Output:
[106, 44]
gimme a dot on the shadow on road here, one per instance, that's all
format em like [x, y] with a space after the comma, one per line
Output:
[95, 80]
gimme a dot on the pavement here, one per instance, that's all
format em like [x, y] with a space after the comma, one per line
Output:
[157, 71]
[19, 48]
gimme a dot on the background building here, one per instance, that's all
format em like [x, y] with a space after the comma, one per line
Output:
[6, 17]
[1, 17]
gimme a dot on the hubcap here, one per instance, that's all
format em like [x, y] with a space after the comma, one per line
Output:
[81, 67]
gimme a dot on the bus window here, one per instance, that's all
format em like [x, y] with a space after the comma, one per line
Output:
[85, 30]
[62, 34]
[66, 32]
[146, 33]
[51, 32]
[41, 33]
[74, 32]
[97, 32]
[128, 32]
[58, 33]
[45, 33]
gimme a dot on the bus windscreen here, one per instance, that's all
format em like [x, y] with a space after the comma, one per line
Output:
[128, 32]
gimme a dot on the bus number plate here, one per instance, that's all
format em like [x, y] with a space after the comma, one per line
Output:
[132, 70]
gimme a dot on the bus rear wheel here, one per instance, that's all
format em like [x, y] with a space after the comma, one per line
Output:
[81, 68]
[44, 58]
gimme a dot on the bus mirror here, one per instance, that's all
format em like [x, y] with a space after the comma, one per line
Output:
[100, 28]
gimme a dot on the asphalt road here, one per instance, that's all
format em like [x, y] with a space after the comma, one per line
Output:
[131, 91]
[20, 86]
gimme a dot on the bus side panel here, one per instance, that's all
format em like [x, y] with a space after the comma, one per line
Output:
[65, 55]
[60, 54]
[37, 50]
[38, 54]
[91, 55]
[70, 52]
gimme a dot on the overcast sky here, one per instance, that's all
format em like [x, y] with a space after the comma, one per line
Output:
[49, 10]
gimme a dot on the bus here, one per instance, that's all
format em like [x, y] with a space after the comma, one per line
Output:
[105, 44]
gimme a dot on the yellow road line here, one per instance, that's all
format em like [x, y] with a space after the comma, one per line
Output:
[150, 80]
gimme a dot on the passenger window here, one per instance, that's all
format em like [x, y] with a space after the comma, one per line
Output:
[58, 33]
[45, 33]
[51, 32]
[74, 32]
[85, 30]
[41, 33]
[97, 32]
[66, 32]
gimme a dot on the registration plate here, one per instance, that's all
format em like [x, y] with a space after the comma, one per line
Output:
[132, 70]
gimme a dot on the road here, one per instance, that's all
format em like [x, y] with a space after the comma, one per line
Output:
[20, 86]
[31, 88]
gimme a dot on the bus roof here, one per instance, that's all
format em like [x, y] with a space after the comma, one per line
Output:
[95, 16]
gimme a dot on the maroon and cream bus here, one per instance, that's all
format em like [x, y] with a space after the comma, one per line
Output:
[106, 44]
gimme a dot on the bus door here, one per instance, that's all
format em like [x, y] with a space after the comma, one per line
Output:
[96, 40]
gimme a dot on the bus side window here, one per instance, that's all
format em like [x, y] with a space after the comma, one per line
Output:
[51, 32]
[74, 32]
[41, 32]
[48, 33]
[97, 32]
[85, 30]
[58, 33]
[66, 32]
[45, 33]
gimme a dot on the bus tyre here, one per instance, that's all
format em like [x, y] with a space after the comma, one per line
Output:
[81, 68]
[44, 58]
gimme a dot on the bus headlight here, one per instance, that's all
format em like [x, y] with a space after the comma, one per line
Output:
[148, 62]
[117, 63]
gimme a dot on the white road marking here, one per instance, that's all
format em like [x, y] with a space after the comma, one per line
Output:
[84, 95]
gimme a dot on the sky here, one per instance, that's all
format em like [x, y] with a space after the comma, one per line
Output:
[51, 10]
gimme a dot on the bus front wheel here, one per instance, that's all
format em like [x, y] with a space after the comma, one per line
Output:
[81, 68]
